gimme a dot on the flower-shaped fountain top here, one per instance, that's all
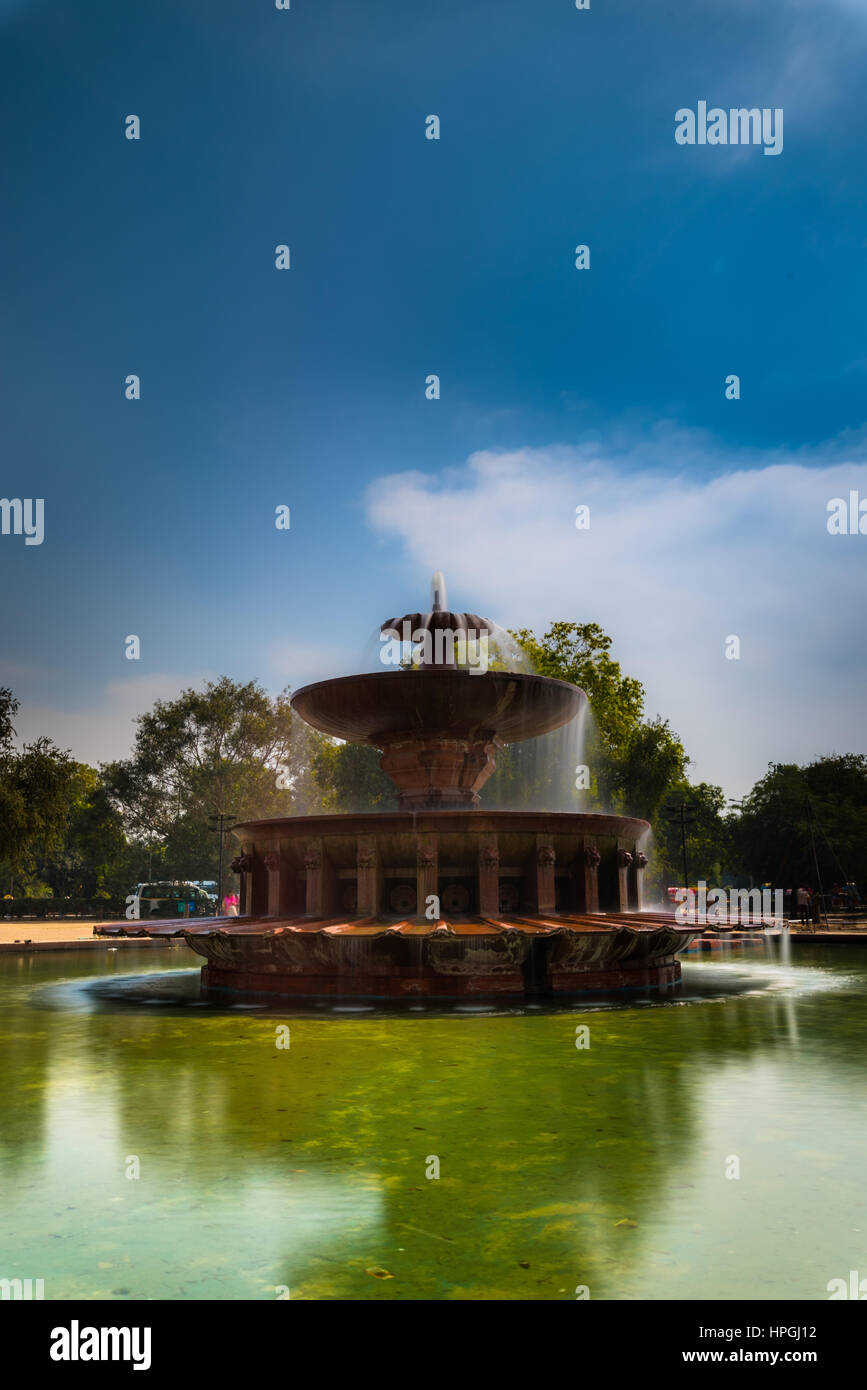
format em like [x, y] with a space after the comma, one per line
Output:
[439, 637]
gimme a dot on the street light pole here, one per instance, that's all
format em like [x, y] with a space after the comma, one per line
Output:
[679, 815]
[816, 860]
[220, 826]
[738, 805]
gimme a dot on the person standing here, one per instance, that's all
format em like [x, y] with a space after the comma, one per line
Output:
[802, 902]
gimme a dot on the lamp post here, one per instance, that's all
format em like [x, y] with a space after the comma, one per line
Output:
[681, 815]
[219, 824]
[738, 806]
[810, 823]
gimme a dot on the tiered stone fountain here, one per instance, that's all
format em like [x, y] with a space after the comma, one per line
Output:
[440, 898]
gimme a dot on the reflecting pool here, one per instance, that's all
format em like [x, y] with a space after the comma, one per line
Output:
[264, 1169]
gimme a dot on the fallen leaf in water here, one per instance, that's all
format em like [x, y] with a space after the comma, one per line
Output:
[379, 1273]
[626, 1222]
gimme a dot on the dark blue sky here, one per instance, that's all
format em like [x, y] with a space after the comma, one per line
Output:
[409, 257]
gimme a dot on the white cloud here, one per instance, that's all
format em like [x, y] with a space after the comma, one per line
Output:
[686, 547]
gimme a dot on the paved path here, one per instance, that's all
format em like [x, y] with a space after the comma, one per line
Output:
[74, 933]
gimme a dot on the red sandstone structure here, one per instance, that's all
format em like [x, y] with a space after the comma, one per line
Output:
[439, 898]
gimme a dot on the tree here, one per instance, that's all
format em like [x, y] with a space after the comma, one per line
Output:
[80, 860]
[651, 760]
[35, 788]
[800, 824]
[579, 653]
[229, 747]
[9, 707]
[350, 778]
[631, 762]
[708, 836]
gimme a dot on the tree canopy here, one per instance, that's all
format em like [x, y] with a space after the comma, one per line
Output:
[799, 824]
[36, 787]
[229, 747]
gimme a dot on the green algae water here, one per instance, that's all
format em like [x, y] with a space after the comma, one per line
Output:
[302, 1171]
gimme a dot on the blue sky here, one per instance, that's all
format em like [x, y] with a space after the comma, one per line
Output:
[455, 257]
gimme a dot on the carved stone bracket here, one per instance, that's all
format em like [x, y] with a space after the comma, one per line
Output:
[241, 864]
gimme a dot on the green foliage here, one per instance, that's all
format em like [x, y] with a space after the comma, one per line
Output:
[8, 709]
[536, 773]
[579, 653]
[36, 786]
[650, 761]
[350, 778]
[802, 823]
[631, 762]
[708, 837]
[91, 842]
[220, 749]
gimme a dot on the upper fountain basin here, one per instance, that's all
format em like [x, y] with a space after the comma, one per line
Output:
[438, 703]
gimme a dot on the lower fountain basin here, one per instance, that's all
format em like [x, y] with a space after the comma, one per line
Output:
[419, 958]
[442, 903]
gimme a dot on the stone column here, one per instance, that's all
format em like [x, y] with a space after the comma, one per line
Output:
[289, 905]
[591, 861]
[546, 896]
[427, 870]
[369, 876]
[271, 861]
[318, 880]
[489, 877]
[624, 862]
